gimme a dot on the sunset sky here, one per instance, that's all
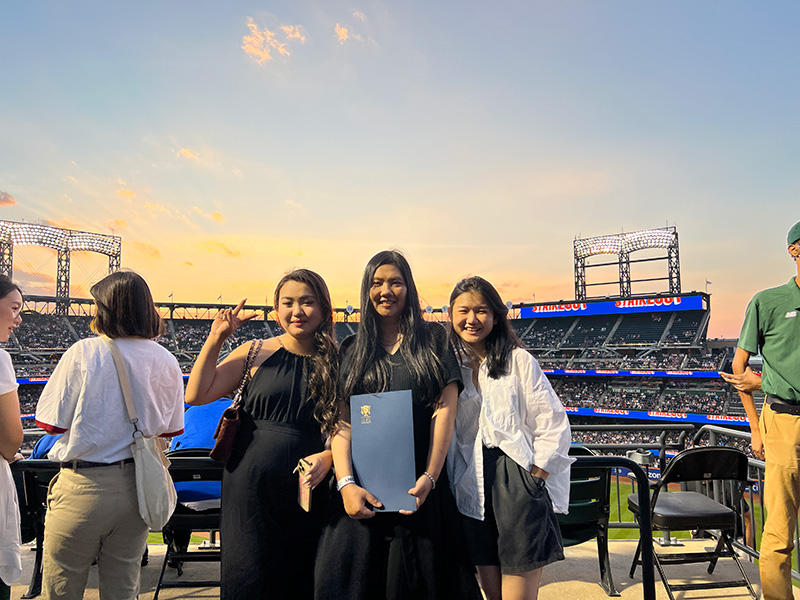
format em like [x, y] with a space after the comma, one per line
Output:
[227, 142]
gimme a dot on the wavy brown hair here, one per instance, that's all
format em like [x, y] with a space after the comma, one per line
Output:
[324, 375]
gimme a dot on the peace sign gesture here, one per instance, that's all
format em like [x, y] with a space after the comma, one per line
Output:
[229, 320]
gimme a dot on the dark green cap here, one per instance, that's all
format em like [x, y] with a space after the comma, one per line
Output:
[793, 235]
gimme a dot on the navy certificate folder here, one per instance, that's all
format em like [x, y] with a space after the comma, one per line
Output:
[383, 447]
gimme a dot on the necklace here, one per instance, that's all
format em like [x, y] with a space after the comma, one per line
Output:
[280, 341]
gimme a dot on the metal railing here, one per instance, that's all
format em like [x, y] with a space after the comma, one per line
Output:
[644, 525]
[683, 430]
[754, 492]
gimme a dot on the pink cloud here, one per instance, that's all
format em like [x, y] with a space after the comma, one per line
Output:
[7, 199]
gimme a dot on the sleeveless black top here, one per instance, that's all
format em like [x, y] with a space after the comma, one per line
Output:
[278, 391]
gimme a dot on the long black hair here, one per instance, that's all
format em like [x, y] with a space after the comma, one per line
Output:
[502, 339]
[368, 368]
[7, 286]
[324, 375]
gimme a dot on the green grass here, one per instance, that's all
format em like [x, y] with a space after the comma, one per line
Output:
[154, 537]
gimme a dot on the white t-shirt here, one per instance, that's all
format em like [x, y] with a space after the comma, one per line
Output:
[83, 399]
[8, 379]
[10, 561]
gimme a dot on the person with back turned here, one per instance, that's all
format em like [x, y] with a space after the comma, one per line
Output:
[772, 326]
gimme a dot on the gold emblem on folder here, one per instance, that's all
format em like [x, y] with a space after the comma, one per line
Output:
[366, 414]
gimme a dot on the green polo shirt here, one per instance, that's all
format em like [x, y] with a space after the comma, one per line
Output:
[772, 325]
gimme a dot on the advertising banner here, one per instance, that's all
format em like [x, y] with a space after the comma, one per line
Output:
[614, 307]
[632, 373]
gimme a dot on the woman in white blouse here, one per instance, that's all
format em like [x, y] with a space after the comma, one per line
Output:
[10, 440]
[508, 460]
[93, 511]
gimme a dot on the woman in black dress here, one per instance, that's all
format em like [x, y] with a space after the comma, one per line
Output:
[268, 541]
[364, 555]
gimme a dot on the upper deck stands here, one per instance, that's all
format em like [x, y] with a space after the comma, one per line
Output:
[641, 329]
[547, 333]
[684, 329]
[590, 331]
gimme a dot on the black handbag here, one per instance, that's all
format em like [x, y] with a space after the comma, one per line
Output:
[228, 426]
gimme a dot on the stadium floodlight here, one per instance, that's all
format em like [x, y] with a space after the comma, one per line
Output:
[606, 244]
[31, 234]
[93, 242]
[63, 241]
[624, 243]
[648, 238]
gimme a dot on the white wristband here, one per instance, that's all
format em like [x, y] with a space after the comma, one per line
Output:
[345, 481]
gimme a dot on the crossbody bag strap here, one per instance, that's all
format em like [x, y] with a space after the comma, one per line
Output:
[124, 382]
[255, 348]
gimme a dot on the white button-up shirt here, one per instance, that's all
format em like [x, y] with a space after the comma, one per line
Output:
[518, 413]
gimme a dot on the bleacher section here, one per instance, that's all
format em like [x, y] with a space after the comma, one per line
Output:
[253, 329]
[684, 329]
[643, 329]
[81, 326]
[44, 331]
[666, 395]
[342, 330]
[547, 333]
[590, 332]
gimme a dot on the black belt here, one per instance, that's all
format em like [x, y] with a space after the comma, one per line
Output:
[85, 464]
[779, 405]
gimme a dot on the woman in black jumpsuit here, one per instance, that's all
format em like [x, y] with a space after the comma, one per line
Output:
[268, 541]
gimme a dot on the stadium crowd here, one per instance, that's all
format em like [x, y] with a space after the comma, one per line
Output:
[643, 394]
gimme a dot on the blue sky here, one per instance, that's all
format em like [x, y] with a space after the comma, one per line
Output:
[228, 142]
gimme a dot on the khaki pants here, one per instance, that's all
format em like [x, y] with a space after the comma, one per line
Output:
[93, 514]
[781, 435]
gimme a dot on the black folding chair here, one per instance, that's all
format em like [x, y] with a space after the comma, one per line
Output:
[36, 475]
[722, 469]
[191, 465]
[589, 508]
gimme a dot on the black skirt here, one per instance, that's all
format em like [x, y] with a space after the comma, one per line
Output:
[268, 541]
[519, 531]
[393, 556]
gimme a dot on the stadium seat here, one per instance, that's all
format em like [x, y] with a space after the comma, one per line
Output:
[36, 476]
[688, 510]
[191, 465]
[589, 507]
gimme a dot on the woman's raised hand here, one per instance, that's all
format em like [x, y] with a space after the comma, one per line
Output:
[229, 320]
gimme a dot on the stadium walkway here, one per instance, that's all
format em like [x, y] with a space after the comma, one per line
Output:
[575, 578]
